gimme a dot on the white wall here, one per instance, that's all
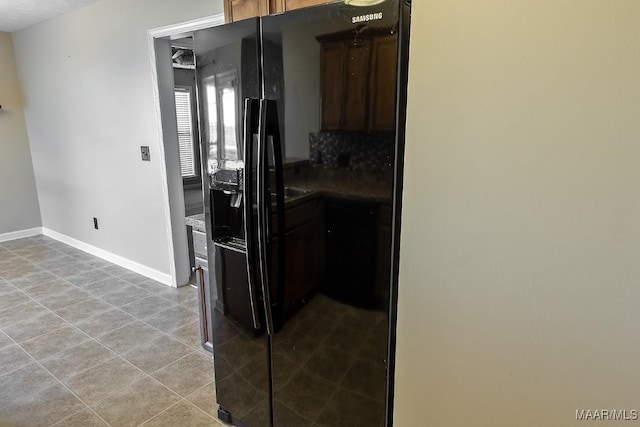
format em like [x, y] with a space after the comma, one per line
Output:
[520, 255]
[301, 65]
[19, 208]
[166, 100]
[89, 107]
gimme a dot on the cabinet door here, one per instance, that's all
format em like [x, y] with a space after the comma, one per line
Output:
[297, 4]
[310, 237]
[383, 83]
[332, 80]
[236, 10]
[304, 255]
[305, 247]
[204, 303]
[383, 258]
[350, 251]
[357, 77]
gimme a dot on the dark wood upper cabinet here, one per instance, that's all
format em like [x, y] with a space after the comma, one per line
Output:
[383, 83]
[332, 74]
[236, 10]
[297, 4]
[356, 85]
[358, 81]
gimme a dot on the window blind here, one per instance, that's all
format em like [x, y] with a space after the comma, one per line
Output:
[185, 133]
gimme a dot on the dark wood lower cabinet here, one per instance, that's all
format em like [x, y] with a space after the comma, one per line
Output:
[204, 303]
[383, 257]
[358, 249]
[304, 254]
[350, 251]
[198, 256]
[339, 247]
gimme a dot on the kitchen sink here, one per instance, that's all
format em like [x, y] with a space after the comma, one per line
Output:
[291, 193]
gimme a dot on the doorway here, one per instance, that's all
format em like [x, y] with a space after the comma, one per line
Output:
[182, 197]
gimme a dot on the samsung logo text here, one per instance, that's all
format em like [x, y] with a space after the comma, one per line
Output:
[367, 18]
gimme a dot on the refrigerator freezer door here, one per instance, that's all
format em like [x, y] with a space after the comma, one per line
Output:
[228, 80]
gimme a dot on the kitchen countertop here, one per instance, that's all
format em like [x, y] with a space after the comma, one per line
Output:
[345, 184]
[196, 221]
[336, 183]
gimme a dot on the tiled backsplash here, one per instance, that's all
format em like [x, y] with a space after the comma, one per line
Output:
[355, 151]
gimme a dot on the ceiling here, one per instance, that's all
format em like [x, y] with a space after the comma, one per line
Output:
[18, 14]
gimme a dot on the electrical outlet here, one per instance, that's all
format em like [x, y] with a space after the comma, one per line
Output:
[95, 222]
[146, 155]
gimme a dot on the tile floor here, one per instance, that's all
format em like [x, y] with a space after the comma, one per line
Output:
[329, 368]
[84, 342]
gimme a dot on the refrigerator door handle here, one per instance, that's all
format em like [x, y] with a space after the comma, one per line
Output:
[278, 244]
[247, 190]
[269, 143]
[264, 203]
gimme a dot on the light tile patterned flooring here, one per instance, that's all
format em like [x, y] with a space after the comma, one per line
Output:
[84, 342]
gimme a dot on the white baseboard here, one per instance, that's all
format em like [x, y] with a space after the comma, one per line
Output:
[5, 237]
[111, 257]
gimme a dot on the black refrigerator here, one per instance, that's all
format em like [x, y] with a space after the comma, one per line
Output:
[301, 120]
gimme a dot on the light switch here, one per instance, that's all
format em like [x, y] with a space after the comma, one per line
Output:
[144, 149]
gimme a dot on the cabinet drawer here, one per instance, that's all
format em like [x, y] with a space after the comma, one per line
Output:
[199, 244]
[298, 215]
